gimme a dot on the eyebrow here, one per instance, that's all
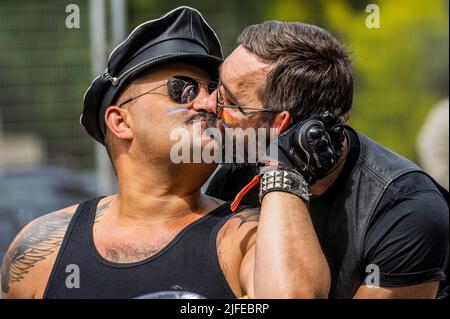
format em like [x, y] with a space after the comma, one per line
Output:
[227, 90]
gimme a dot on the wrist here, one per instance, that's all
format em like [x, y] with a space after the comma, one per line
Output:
[275, 179]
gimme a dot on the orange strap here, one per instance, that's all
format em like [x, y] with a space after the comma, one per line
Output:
[235, 204]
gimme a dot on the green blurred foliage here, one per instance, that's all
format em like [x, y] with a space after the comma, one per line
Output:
[228, 18]
[396, 67]
[401, 69]
[44, 72]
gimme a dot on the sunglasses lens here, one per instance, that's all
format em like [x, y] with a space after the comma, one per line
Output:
[182, 89]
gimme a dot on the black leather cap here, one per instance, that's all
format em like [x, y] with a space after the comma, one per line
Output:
[182, 35]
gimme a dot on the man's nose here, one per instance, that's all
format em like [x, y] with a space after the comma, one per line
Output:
[207, 103]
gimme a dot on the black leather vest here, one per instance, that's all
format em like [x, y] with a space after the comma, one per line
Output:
[376, 168]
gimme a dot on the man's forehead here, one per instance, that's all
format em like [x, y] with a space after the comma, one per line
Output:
[242, 68]
[242, 55]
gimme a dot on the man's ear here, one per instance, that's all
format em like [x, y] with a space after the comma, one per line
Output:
[118, 121]
[282, 122]
[344, 117]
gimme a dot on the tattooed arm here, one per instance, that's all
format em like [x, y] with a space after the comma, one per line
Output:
[235, 241]
[28, 262]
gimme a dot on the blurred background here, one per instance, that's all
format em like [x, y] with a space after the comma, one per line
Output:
[47, 161]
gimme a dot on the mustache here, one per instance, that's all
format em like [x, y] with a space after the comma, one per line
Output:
[209, 118]
[229, 159]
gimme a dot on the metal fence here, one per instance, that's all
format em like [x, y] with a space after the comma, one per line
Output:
[46, 158]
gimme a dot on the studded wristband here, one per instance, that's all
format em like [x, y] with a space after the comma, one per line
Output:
[283, 181]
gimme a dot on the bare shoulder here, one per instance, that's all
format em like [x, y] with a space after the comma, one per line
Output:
[31, 255]
[234, 240]
[245, 219]
[241, 228]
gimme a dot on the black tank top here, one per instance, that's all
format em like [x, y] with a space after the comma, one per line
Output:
[188, 263]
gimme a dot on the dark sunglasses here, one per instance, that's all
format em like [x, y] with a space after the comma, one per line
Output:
[181, 89]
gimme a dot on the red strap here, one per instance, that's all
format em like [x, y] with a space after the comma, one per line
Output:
[235, 204]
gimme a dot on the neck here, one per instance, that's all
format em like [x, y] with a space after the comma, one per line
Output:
[322, 185]
[152, 194]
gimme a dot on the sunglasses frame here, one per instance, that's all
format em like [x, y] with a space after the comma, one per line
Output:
[166, 83]
[242, 108]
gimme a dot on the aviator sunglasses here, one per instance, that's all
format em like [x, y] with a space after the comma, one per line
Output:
[181, 89]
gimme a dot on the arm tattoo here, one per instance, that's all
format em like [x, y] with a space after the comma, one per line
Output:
[44, 237]
[245, 217]
[100, 211]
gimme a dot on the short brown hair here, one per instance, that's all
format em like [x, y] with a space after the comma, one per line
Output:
[312, 70]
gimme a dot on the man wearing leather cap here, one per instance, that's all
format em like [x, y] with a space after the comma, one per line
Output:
[159, 232]
[381, 221]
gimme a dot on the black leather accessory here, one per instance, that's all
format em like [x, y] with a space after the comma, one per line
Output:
[311, 147]
[182, 35]
[282, 180]
[307, 151]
